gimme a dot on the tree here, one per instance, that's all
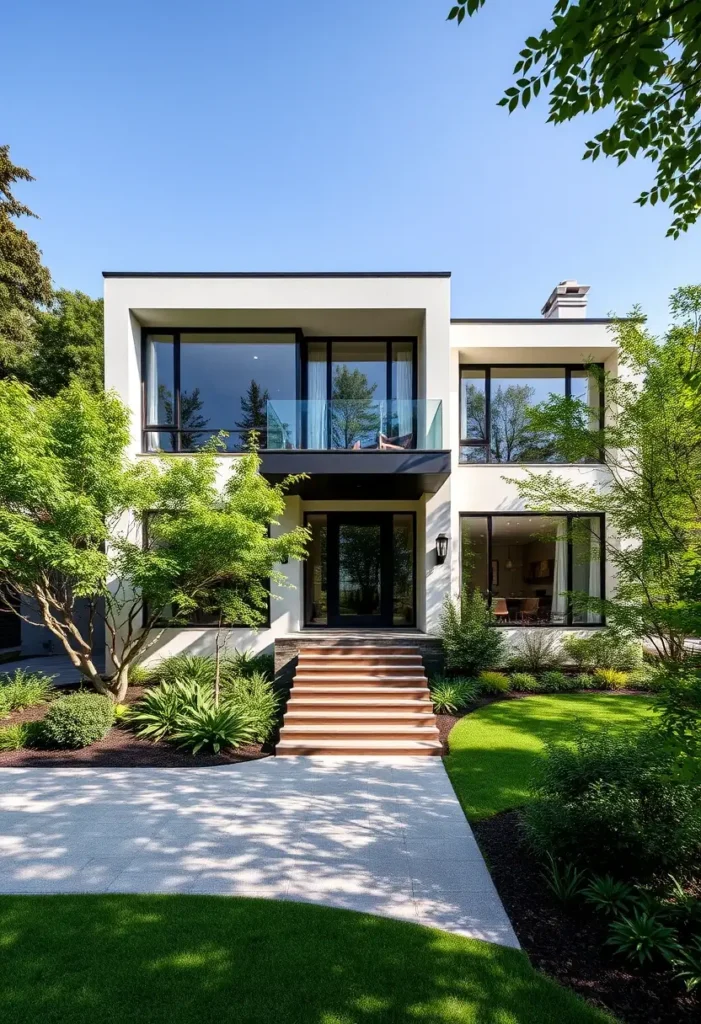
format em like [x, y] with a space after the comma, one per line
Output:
[25, 284]
[77, 522]
[254, 410]
[70, 343]
[651, 444]
[354, 412]
[640, 57]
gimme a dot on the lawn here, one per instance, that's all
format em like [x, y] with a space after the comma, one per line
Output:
[186, 959]
[494, 751]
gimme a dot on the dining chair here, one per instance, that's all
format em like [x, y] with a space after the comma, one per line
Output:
[529, 608]
[500, 608]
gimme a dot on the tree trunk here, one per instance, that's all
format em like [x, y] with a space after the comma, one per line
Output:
[217, 663]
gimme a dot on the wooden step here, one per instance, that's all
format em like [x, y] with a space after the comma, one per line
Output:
[362, 748]
[358, 679]
[359, 715]
[344, 689]
[384, 704]
[358, 657]
[355, 651]
[377, 666]
[354, 731]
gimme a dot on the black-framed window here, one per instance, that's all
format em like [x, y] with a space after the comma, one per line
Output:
[197, 382]
[526, 564]
[198, 617]
[495, 402]
[359, 393]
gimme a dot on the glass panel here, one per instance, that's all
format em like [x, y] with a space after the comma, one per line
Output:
[474, 554]
[473, 405]
[401, 425]
[159, 375]
[317, 409]
[529, 569]
[358, 388]
[585, 388]
[586, 566]
[160, 441]
[514, 392]
[473, 453]
[359, 569]
[193, 441]
[316, 612]
[227, 379]
[403, 569]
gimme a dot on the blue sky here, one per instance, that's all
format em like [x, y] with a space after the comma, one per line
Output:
[316, 135]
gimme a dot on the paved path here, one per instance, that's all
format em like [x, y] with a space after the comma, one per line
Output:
[59, 666]
[386, 837]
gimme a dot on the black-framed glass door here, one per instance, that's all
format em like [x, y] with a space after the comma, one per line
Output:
[361, 570]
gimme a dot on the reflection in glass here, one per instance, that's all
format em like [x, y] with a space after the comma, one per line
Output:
[227, 379]
[316, 568]
[514, 392]
[359, 576]
[474, 554]
[473, 405]
[403, 569]
[586, 568]
[358, 386]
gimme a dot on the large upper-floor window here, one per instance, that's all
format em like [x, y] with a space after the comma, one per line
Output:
[495, 405]
[360, 393]
[527, 565]
[197, 383]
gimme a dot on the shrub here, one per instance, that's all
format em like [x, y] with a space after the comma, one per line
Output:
[211, 728]
[253, 697]
[470, 641]
[157, 713]
[524, 681]
[452, 695]
[687, 961]
[611, 804]
[77, 720]
[197, 669]
[610, 678]
[641, 937]
[23, 689]
[682, 907]
[140, 675]
[644, 678]
[555, 682]
[565, 881]
[493, 682]
[19, 735]
[537, 650]
[584, 681]
[244, 663]
[609, 895]
[606, 648]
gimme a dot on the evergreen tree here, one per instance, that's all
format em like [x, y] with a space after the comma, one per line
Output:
[354, 413]
[25, 284]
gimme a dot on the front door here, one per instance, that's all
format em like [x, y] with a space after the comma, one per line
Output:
[360, 569]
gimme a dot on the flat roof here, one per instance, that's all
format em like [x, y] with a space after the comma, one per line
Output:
[533, 320]
[269, 273]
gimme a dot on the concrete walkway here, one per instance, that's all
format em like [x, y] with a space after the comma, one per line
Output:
[59, 666]
[385, 837]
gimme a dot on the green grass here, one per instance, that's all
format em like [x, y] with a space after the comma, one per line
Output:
[494, 751]
[188, 959]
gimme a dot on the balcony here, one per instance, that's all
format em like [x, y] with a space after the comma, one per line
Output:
[356, 448]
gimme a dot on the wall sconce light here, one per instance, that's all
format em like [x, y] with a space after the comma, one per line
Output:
[441, 548]
[285, 560]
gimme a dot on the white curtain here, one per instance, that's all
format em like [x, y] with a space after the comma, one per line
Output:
[152, 382]
[403, 369]
[559, 609]
[317, 410]
[594, 567]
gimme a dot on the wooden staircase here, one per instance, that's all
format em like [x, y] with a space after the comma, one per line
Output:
[357, 699]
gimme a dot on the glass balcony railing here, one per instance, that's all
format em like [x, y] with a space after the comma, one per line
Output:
[354, 425]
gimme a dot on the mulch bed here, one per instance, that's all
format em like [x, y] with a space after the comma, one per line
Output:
[121, 749]
[568, 945]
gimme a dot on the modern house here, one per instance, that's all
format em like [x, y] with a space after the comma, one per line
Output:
[407, 422]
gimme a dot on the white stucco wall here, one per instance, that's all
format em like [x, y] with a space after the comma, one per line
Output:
[418, 306]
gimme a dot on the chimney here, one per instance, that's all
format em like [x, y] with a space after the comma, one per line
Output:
[568, 301]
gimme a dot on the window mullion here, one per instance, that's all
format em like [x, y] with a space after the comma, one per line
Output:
[176, 403]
